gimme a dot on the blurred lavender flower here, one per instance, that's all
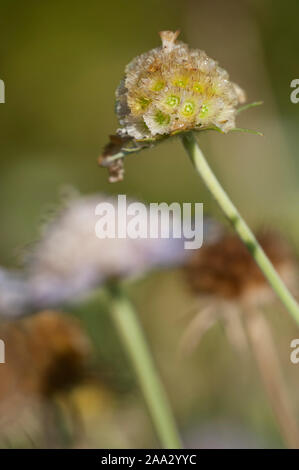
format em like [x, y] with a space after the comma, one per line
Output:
[15, 292]
[69, 260]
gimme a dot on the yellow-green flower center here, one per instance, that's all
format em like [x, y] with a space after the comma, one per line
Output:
[158, 85]
[172, 101]
[188, 108]
[161, 118]
[181, 82]
[204, 111]
[197, 87]
[143, 102]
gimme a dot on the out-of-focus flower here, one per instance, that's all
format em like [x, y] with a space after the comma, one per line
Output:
[15, 292]
[169, 90]
[226, 282]
[233, 289]
[44, 354]
[226, 269]
[69, 260]
[48, 367]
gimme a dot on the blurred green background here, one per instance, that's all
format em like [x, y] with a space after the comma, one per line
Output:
[61, 62]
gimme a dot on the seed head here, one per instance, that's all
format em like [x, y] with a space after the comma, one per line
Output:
[167, 91]
[228, 283]
[45, 353]
[173, 89]
[226, 270]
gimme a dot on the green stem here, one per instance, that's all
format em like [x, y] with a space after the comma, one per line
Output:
[240, 226]
[134, 342]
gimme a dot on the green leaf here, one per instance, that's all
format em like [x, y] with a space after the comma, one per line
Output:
[248, 131]
[248, 106]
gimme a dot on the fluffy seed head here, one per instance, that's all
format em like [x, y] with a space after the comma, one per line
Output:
[172, 89]
[69, 260]
[226, 269]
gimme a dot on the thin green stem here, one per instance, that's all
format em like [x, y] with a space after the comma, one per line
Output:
[130, 331]
[202, 167]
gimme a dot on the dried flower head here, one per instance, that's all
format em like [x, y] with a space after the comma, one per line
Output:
[172, 89]
[227, 282]
[227, 270]
[45, 353]
[168, 90]
[47, 357]
[234, 289]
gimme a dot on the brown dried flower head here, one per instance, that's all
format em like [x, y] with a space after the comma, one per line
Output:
[226, 269]
[45, 353]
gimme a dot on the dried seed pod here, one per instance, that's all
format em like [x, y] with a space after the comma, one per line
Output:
[166, 91]
[226, 269]
[172, 89]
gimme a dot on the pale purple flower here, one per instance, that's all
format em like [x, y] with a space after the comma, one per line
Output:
[69, 260]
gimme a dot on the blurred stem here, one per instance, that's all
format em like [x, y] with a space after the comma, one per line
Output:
[202, 167]
[263, 349]
[126, 321]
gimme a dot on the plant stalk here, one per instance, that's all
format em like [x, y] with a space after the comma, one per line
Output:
[202, 167]
[264, 351]
[130, 331]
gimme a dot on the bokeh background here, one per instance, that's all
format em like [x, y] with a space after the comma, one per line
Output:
[61, 62]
